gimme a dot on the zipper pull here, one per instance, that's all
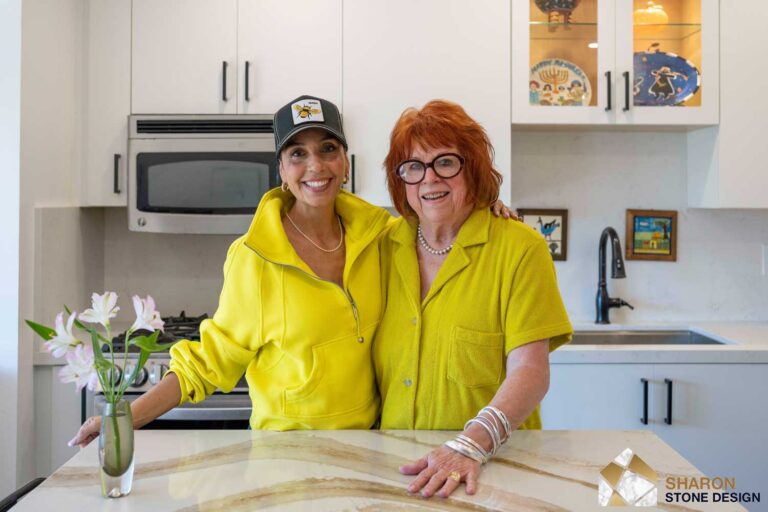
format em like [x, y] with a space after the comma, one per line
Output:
[360, 339]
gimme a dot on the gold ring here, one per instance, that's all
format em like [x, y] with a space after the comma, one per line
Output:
[455, 475]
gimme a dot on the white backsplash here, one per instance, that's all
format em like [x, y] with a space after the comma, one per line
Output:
[181, 272]
[597, 176]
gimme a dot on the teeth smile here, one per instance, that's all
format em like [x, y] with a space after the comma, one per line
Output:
[317, 183]
[434, 195]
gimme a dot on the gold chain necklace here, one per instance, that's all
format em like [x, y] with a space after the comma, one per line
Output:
[341, 237]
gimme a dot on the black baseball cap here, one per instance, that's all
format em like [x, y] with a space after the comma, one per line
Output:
[303, 113]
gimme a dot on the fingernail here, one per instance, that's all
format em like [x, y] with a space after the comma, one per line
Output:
[71, 443]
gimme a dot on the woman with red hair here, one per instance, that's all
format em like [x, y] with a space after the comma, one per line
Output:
[472, 304]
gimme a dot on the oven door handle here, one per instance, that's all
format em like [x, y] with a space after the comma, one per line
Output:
[207, 413]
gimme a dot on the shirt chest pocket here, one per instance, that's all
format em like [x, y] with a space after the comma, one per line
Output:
[476, 358]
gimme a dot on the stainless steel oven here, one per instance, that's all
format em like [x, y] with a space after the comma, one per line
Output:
[198, 174]
[218, 411]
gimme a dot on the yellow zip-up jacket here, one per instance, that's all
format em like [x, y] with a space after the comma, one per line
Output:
[303, 343]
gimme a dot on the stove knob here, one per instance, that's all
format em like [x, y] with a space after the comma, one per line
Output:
[140, 379]
[156, 374]
[118, 374]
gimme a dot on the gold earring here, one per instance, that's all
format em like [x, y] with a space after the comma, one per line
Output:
[284, 186]
[346, 179]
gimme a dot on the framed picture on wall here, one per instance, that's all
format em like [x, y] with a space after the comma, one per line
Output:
[553, 226]
[652, 235]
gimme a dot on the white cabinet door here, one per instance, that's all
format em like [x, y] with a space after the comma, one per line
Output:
[688, 40]
[596, 396]
[107, 102]
[719, 416]
[289, 49]
[563, 73]
[184, 57]
[726, 164]
[403, 53]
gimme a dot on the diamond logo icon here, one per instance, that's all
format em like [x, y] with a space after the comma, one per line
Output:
[627, 481]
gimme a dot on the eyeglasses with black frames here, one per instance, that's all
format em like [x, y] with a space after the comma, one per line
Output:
[445, 165]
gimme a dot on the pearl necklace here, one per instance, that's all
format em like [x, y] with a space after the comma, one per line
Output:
[429, 248]
[341, 237]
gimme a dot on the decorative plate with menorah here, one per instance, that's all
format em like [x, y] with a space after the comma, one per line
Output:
[558, 82]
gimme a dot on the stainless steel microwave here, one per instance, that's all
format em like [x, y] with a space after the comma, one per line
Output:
[198, 174]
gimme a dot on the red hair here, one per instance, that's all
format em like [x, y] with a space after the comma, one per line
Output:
[442, 123]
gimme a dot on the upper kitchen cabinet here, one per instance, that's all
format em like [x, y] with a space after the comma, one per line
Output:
[107, 102]
[233, 56]
[627, 62]
[403, 53]
[726, 163]
[286, 49]
[184, 58]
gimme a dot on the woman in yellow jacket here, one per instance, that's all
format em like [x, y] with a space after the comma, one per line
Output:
[472, 304]
[301, 296]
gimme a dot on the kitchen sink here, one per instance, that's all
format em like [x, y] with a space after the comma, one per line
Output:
[641, 338]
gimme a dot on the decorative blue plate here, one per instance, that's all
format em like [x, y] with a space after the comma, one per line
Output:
[663, 78]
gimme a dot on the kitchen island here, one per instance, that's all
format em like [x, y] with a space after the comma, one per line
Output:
[353, 470]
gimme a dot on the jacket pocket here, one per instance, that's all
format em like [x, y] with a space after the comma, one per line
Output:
[476, 358]
[341, 381]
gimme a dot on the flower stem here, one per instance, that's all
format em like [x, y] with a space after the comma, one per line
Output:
[116, 427]
[113, 372]
[125, 359]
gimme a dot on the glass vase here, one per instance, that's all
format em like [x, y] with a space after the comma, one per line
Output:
[116, 449]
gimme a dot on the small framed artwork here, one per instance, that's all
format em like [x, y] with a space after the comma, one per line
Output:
[652, 235]
[553, 226]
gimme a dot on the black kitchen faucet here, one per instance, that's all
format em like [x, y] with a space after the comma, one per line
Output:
[604, 303]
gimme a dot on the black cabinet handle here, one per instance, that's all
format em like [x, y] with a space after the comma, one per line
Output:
[626, 91]
[224, 80]
[116, 174]
[247, 75]
[668, 419]
[352, 178]
[610, 94]
[644, 419]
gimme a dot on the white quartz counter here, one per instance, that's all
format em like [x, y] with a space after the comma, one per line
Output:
[352, 470]
[742, 343]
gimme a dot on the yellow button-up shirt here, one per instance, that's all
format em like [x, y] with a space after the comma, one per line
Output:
[440, 360]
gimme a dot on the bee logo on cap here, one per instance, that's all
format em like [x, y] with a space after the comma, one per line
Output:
[307, 110]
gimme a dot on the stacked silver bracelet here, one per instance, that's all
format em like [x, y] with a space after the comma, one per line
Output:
[494, 422]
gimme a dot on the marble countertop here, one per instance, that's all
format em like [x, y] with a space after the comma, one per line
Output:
[742, 342]
[237, 470]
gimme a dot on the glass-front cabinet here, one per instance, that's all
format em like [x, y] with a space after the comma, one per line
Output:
[615, 62]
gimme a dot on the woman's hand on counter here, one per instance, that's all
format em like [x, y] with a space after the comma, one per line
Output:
[436, 473]
[152, 404]
[87, 433]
